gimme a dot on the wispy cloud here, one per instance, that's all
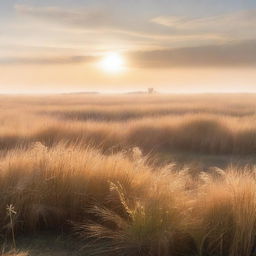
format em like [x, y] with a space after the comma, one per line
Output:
[118, 26]
[237, 25]
[89, 17]
[241, 54]
[166, 41]
[47, 61]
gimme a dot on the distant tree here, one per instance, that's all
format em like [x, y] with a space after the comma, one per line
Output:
[151, 90]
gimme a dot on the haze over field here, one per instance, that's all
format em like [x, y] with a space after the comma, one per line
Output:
[173, 46]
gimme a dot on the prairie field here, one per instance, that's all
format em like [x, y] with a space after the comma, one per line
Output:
[135, 174]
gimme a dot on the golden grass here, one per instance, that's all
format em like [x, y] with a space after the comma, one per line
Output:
[73, 163]
[120, 204]
[212, 124]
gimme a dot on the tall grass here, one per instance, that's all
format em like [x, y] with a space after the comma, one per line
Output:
[48, 186]
[73, 163]
[208, 124]
[121, 204]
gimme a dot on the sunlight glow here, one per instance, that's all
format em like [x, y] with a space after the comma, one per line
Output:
[112, 63]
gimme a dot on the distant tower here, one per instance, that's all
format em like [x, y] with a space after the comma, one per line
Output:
[151, 90]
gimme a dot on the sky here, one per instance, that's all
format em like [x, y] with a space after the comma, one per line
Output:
[180, 46]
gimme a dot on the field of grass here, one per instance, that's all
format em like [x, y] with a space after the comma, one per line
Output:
[131, 174]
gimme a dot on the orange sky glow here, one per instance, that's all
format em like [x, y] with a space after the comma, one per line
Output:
[173, 46]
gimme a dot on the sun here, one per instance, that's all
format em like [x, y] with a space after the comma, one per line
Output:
[112, 63]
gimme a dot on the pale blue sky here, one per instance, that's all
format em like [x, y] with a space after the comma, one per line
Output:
[198, 7]
[120, 18]
[151, 34]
